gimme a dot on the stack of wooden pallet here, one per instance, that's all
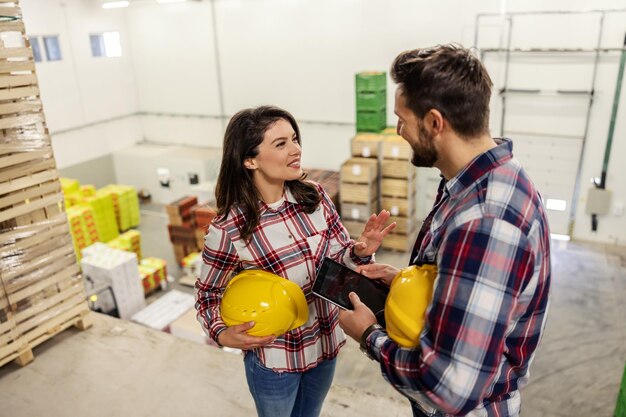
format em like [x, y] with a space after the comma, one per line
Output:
[359, 188]
[41, 289]
[398, 190]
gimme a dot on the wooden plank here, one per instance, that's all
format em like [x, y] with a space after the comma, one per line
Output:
[26, 175]
[8, 353]
[392, 187]
[11, 11]
[24, 145]
[12, 81]
[44, 235]
[15, 53]
[22, 157]
[19, 92]
[21, 107]
[8, 67]
[51, 307]
[30, 207]
[12, 236]
[67, 272]
[16, 26]
[56, 325]
[6, 326]
[19, 121]
[41, 261]
[34, 264]
[27, 194]
[6, 338]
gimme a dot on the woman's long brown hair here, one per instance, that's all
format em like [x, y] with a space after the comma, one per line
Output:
[235, 185]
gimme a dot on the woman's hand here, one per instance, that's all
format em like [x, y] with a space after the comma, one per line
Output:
[381, 272]
[373, 234]
[236, 337]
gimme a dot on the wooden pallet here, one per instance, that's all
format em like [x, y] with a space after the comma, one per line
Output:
[399, 206]
[358, 193]
[393, 187]
[41, 289]
[399, 242]
[358, 211]
[398, 168]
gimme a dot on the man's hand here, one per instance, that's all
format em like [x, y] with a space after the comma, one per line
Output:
[355, 322]
[381, 272]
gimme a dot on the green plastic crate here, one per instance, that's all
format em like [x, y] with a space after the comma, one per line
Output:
[620, 407]
[371, 121]
[371, 81]
[371, 101]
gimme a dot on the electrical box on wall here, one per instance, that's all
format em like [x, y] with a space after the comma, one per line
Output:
[598, 201]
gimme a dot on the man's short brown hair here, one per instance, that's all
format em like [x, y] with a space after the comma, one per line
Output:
[448, 78]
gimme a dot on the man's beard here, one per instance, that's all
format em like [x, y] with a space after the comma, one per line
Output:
[424, 152]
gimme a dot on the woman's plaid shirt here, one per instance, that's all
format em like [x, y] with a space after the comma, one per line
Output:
[292, 244]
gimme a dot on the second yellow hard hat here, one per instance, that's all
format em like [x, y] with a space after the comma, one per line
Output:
[410, 293]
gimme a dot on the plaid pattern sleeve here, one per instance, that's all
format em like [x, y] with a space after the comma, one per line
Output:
[463, 341]
[219, 260]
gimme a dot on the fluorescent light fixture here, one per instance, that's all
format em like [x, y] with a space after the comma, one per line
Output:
[115, 4]
[554, 204]
[556, 236]
[169, 1]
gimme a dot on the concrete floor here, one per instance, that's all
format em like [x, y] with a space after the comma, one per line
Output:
[121, 368]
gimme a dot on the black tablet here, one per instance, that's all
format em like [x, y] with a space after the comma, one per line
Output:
[335, 281]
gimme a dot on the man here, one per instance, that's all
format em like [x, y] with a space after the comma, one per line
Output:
[488, 236]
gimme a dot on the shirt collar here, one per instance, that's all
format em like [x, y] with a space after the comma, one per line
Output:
[289, 198]
[481, 165]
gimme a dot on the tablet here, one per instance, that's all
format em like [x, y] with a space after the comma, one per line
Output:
[335, 281]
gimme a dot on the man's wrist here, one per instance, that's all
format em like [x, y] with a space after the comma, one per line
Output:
[366, 334]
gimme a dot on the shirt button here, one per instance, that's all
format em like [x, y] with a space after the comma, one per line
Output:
[290, 237]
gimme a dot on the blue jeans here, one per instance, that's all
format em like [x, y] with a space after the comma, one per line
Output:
[288, 394]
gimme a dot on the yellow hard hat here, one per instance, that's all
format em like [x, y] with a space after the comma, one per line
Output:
[410, 293]
[275, 304]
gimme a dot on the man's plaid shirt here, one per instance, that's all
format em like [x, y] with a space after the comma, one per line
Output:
[490, 241]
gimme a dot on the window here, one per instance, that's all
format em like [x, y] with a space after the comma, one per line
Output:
[105, 44]
[53, 49]
[556, 204]
[34, 43]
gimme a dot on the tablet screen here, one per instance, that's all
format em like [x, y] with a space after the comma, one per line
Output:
[335, 281]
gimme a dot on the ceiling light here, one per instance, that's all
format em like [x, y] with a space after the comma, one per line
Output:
[115, 4]
[170, 1]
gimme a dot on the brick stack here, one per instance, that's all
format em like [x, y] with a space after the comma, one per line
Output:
[371, 101]
[398, 191]
[201, 216]
[181, 231]
[329, 180]
[41, 289]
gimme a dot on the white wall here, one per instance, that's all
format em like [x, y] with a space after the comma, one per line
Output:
[302, 55]
[80, 90]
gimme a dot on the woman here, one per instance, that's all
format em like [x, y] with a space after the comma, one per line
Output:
[270, 218]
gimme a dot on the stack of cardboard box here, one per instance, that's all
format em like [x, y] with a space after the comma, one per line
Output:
[398, 191]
